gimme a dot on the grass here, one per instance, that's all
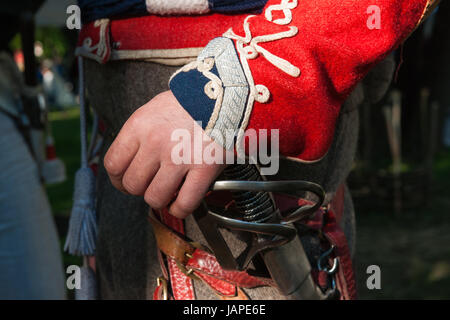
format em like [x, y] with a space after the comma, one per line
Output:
[411, 252]
[66, 130]
[411, 248]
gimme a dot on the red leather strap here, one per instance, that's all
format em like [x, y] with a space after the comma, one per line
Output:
[345, 279]
[181, 283]
[206, 263]
[221, 287]
[227, 283]
[182, 287]
[326, 222]
[337, 203]
[157, 293]
[206, 268]
[161, 292]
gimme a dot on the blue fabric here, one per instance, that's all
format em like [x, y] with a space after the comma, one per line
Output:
[92, 10]
[97, 9]
[188, 88]
[235, 6]
[30, 258]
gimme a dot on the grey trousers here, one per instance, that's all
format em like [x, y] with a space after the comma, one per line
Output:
[30, 258]
[126, 251]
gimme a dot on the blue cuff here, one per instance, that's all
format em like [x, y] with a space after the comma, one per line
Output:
[214, 90]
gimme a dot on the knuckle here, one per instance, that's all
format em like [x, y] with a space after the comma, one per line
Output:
[136, 120]
[111, 166]
[185, 205]
[153, 201]
[130, 185]
[152, 139]
[133, 121]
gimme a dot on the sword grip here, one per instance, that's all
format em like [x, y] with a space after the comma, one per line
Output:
[255, 206]
[288, 264]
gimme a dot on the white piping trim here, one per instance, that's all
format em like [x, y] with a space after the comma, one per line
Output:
[156, 53]
[248, 48]
[167, 7]
[87, 49]
[252, 49]
[286, 6]
[176, 62]
[213, 89]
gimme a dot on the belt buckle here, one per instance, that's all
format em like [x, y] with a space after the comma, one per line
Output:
[162, 282]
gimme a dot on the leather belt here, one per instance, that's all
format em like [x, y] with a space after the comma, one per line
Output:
[195, 262]
[188, 261]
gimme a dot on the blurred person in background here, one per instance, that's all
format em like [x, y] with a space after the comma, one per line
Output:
[57, 90]
[30, 259]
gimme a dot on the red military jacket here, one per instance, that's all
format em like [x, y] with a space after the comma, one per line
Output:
[289, 67]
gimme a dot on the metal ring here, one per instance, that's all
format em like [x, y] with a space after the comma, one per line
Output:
[335, 265]
[187, 272]
[162, 281]
[285, 187]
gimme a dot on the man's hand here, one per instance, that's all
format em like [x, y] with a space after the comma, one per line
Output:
[139, 160]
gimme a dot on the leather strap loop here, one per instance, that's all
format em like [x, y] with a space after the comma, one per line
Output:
[170, 243]
[228, 284]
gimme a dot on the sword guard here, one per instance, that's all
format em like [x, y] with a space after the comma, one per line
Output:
[286, 187]
[274, 232]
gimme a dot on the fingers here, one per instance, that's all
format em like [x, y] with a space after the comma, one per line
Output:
[119, 156]
[139, 160]
[164, 185]
[192, 192]
[140, 172]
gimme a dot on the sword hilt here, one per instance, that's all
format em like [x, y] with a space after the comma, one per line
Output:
[274, 235]
[255, 206]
